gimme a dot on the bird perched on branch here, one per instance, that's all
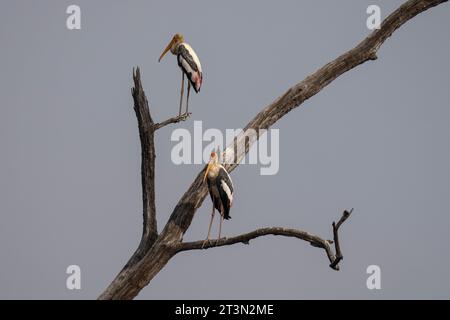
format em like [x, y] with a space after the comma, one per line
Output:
[220, 189]
[189, 63]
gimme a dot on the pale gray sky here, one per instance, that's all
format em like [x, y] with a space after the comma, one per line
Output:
[377, 139]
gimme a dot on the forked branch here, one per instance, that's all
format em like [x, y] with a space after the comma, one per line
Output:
[245, 238]
[147, 130]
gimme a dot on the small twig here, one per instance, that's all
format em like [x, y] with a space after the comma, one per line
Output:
[176, 119]
[338, 257]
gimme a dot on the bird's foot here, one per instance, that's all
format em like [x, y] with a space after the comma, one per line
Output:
[182, 117]
[206, 242]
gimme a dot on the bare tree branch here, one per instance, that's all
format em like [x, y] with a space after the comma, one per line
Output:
[134, 277]
[147, 135]
[335, 262]
[245, 238]
[147, 130]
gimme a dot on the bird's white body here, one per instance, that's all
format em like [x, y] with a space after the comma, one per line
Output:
[220, 189]
[194, 56]
[225, 184]
[190, 65]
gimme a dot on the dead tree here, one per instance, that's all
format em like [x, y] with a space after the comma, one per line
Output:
[155, 250]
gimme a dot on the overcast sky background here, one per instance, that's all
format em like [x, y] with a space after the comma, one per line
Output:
[376, 139]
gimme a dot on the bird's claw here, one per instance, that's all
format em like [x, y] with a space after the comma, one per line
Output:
[183, 116]
[207, 241]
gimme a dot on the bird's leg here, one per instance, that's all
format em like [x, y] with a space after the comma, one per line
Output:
[209, 228]
[187, 100]
[182, 92]
[220, 227]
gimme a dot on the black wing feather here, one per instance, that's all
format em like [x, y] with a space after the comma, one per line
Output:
[184, 54]
[215, 201]
[225, 176]
[226, 203]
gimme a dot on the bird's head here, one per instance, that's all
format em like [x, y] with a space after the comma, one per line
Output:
[213, 160]
[173, 44]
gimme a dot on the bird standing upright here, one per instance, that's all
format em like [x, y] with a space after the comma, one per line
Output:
[188, 62]
[220, 189]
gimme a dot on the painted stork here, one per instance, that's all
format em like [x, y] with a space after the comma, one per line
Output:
[188, 62]
[220, 189]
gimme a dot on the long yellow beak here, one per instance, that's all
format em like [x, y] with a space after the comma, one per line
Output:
[206, 172]
[166, 50]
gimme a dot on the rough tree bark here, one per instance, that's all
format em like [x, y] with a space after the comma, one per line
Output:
[155, 250]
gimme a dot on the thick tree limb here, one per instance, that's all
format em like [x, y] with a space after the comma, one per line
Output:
[147, 130]
[147, 135]
[134, 277]
[245, 238]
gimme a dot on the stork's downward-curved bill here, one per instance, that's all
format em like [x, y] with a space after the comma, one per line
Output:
[208, 167]
[176, 40]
